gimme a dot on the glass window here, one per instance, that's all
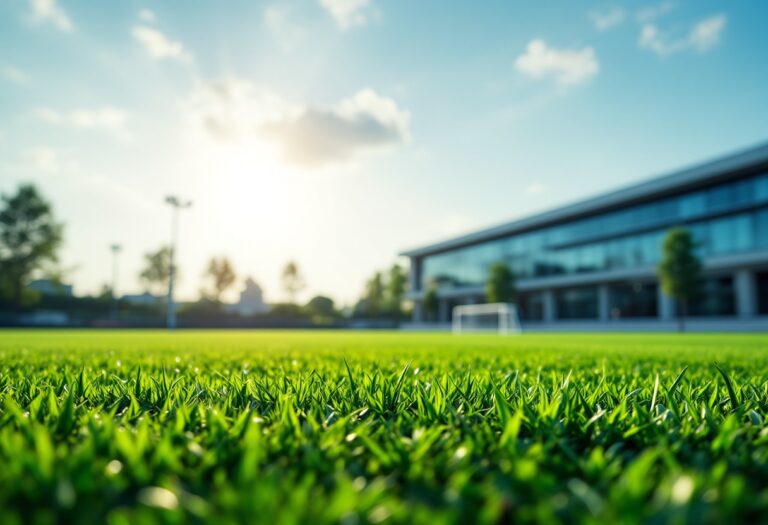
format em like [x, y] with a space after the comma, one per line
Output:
[577, 303]
[535, 241]
[663, 211]
[731, 234]
[590, 258]
[542, 264]
[720, 237]
[693, 205]
[634, 248]
[651, 247]
[593, 226]
[743, 232]
[701, 236]
[624, 218]
[599, 255]
[743, 192]
[716, 297]
[561, 262]
[633, 300]
[531, 306]
[761, 228]
[762, 293]
[581, 258]
[761, 187]
[519, 266]
[613, 255]
[535, 254]
[514, 246]
[556, 235]
[719, 197]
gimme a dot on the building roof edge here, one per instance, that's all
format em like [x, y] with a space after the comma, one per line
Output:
[682, 178]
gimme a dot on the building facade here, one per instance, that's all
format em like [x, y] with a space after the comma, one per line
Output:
[592, 264]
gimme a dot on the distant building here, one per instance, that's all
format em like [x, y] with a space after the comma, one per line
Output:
[592, 264]
[144, 299]
[50, 287]
[251, 300]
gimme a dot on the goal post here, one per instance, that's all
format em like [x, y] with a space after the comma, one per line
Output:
[489, 317]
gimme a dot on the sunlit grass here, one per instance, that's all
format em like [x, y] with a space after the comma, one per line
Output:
[289, 427]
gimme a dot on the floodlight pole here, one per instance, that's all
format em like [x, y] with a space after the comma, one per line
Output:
[176, 205]
[115, 252]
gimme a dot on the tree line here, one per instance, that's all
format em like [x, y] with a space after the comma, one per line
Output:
[220, 276]
[30, 237]
[384, 296]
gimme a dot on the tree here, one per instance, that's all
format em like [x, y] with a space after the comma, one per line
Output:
[680, 270]
[105, 293]
[321, 308]
[374, 294]
[396, 284]
[222, 275]
[430, 303]
[286, 311]
[500, 286]
[157, 269]
[293, 282]
[29, 237]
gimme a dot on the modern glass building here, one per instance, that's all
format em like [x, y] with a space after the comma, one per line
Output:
[593, 264]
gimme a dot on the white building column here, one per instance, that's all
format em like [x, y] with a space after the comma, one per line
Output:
[418, 312]
[603, 303]
[415, 272]
[665, 306]
[550, 313]
[746, 298]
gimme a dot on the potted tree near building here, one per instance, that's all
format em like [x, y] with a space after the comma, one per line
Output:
[500, 286]
[680, 270]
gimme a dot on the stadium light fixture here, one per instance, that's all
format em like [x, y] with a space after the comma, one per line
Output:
[176, 205]
[116, 248]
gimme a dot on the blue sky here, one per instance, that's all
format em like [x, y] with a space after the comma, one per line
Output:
[337, 132]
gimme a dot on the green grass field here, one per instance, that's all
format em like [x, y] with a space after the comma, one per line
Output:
[295, 427]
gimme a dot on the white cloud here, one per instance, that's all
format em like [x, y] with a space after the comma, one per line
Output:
[706, 33]
[316, 136]
[50, 11]
[106, 118]
[235, 112]
[649, 14]
[15, 74]
[347, 13]
[535, 188]
[46, 160]
[230, 110]
[147, 15]
[702, 37]
[603, 20]
[158, 45]
[651, 38]
[566, 66]
[49, 115]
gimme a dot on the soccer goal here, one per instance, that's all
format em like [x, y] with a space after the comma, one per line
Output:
[492, 317]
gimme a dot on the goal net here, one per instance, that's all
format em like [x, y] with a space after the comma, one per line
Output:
[492, 317]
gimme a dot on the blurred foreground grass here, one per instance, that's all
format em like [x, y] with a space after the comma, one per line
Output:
[324, 427]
